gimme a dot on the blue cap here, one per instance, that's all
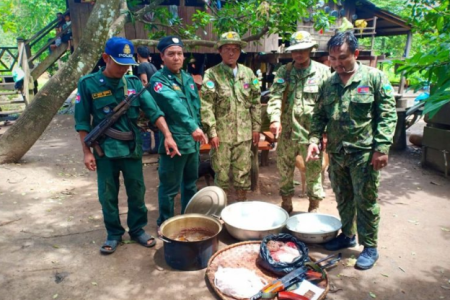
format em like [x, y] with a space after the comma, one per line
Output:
[169, 41]
[121, 50]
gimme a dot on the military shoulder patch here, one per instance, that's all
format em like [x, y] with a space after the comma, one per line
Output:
[387, 89]
[78, 99]
[192, 87]
[210, 84]
[157, 87]
[280, 80]
[131, 92]
[255, 81]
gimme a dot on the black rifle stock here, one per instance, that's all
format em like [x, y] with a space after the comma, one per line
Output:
[91, 140]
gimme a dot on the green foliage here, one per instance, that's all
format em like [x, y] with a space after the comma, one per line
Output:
[432, 59]
[249, 16]
[24, 18]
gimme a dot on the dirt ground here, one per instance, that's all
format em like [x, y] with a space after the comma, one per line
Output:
[51, 229]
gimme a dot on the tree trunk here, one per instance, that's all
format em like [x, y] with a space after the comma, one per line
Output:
[35, 119]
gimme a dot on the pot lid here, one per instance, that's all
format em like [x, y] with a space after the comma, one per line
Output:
[208, 201]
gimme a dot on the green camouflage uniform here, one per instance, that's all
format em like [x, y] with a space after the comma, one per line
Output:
[360, 118]
[231, 110]
[304, 89]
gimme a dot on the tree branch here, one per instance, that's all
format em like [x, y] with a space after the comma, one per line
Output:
[165, 26]
[147, 8]
[119, 24]
[257, 36]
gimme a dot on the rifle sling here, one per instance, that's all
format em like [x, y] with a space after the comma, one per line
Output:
[119, 135]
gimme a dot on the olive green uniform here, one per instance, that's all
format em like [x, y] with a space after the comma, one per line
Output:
[178, 98]
[97, 96]
[360, 118]
[231, 110]
[304, 87]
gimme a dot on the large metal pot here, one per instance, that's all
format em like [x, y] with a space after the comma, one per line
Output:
[187, 255]
[314, 228]
[253, 220]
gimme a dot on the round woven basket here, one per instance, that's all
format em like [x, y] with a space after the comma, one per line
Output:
[244, 255]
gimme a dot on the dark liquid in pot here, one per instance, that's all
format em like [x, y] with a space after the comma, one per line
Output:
[192, 235]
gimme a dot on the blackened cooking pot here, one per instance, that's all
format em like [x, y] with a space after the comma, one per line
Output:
[189, 255]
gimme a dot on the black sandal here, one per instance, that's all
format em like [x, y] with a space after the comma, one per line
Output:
[109, 243]
[143, 240]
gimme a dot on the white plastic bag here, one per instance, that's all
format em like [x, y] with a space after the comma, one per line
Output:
[238, 282]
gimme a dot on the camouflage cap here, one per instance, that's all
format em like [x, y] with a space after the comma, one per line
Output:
[302, 40]
[230, 38]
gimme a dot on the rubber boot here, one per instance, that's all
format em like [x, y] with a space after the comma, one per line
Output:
[286, 203]
[313, 206]
[241, 195]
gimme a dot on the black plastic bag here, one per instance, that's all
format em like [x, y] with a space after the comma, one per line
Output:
[266, 261]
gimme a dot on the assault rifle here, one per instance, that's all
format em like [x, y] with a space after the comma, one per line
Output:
[314, 270]
[104, 127]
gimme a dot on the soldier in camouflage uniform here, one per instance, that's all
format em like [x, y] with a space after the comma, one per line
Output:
[304, 80]
[357, 106]
[231, 115]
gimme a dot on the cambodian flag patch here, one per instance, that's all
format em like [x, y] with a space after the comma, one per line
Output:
[363, 90]
[192, 86]
[158, 87]
[131, 92]
[246, 85]
[78, 98]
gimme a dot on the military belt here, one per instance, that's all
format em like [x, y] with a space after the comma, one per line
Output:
[120, 135]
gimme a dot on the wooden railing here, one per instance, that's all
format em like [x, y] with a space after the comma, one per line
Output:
[25, 55]
[8, 58]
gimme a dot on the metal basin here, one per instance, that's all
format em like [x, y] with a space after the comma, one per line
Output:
[253, 220]
[314, 228]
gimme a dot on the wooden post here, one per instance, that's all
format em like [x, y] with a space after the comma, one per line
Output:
[373, 34]
[405, 55]
[23, 63]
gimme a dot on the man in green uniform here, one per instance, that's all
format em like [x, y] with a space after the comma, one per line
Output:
[301, 80]
[176, 94]
[357, 107]
[98, 94]
[231, 115]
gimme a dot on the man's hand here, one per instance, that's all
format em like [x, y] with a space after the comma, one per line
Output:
[379, 160]
[171, 147]
[313, 152]
[199, 136]
[215, 142]
[255, 138]
[275, 128]
[89, 161]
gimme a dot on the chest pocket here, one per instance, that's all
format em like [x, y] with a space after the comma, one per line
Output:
[104, 105]
[133, 111]
[195, 103]
[361, 106]
[331, 106]
[223, 100]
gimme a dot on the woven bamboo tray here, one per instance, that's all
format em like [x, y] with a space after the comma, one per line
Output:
[244, 255]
